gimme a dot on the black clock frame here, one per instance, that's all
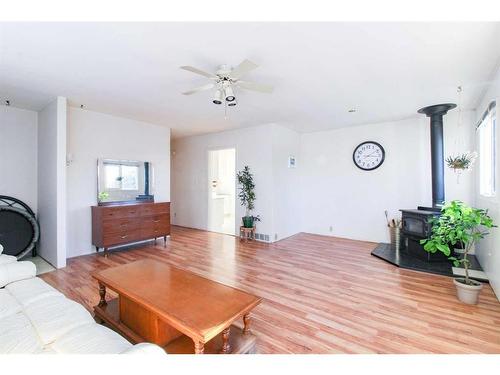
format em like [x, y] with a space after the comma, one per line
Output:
[363, 143]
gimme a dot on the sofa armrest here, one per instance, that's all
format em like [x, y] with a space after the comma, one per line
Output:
[4, 259]
[144, 348]
[12, 272]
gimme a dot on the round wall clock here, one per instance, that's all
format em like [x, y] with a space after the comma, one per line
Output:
[368, 155]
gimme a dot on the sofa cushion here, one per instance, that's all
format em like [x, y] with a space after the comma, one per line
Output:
[54, 316]
[8, 304]
[91, 339]
[17, 335]
[4, 259]
[12, 272]
[31, 290]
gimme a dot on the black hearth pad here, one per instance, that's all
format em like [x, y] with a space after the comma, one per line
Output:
[386, 252]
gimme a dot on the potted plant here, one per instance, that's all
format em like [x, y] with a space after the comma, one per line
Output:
[102, 196]
[460, 223]
[247, 196]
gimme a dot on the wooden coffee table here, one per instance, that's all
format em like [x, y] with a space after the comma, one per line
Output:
[176, 309]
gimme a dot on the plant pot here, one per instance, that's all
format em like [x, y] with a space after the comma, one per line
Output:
[458, 252]
[459, 249]
[248, 221]
[468, 293]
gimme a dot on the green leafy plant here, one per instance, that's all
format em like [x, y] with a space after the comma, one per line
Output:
[458, 224]
[246, 186]
[103, 195]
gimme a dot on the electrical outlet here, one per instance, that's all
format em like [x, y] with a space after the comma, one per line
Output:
[331, 228]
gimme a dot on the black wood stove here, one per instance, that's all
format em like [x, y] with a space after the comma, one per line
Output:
[416, 222]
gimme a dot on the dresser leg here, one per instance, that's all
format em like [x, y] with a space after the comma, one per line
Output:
[105, 252]
[165, 241]
[199, 347]
[97, 249]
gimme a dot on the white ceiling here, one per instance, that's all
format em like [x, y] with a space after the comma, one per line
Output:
[320, 70]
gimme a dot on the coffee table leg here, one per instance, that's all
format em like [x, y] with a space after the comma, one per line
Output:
[102, 294]
[246, 321]
[225, 341]
[199, 347]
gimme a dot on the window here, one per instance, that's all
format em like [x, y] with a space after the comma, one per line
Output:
[121, 177]
[487, 152]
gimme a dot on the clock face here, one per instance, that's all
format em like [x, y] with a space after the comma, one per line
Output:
[368, 155]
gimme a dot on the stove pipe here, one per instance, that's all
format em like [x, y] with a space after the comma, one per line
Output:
[436, 113]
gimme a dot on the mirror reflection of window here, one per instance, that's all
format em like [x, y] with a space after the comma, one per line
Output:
[124, 181]
[121, 177]
[112, 176]
[130, 177]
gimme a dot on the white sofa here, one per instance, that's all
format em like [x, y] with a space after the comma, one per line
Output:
[36, 318]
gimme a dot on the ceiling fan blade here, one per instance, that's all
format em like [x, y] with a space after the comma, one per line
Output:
[198, 71]
[198, 89]
[255, 86]
[244, 67]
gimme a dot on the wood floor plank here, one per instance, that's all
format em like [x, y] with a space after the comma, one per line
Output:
[320, 294]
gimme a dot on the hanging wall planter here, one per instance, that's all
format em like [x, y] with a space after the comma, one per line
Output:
[461, 162]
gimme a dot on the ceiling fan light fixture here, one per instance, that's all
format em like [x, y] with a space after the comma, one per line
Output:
[232, 104]
[229, 94]
[217, 97]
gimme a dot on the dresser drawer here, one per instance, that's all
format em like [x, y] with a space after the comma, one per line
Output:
[156, 231]
[158, 225]
[155, 220]
[121, 212]
[124, 236]
[118, 225]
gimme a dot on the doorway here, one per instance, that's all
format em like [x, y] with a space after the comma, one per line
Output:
[221, 190]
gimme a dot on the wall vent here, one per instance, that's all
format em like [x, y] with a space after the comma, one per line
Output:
[262, 237]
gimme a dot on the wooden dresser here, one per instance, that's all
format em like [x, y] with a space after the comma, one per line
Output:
[115, 225]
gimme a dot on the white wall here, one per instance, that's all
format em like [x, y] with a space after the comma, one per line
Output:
[18, 154]
[93, 135]
[488, 250]
[286, 182]
[326, 189]
[190, 175]
[335, 193]
[52, 182]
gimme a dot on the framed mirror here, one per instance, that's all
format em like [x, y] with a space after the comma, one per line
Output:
[124, 181]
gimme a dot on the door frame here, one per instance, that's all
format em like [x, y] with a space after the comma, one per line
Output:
[207, 154]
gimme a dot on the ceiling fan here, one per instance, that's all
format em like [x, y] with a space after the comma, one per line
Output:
[225, 79]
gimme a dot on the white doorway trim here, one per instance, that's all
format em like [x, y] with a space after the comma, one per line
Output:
[221, 204]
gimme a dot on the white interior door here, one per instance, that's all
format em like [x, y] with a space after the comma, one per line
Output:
[221, 190]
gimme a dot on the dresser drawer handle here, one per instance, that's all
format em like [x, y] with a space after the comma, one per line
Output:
[124, 236]
[157, 221]
[123, 225]
[131, 212]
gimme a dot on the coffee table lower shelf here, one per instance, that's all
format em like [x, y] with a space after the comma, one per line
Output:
[239, 343]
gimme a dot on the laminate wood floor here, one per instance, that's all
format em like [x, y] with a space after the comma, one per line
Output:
[320, 294]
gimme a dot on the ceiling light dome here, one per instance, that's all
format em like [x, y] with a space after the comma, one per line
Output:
[218, 97]
[229, 94]
[232, 104]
